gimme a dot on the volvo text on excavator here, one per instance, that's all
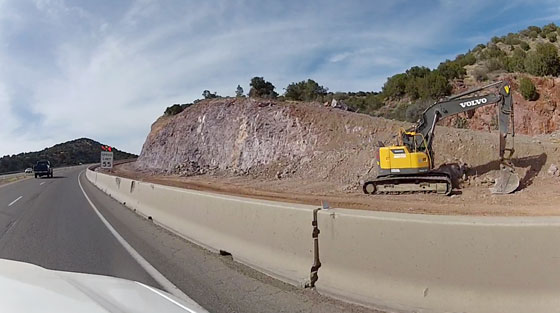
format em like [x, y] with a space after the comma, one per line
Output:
[408, 166]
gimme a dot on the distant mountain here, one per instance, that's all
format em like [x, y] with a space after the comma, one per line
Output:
[69, 153]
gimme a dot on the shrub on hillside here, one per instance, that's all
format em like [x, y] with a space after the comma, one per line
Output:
[480, 74]
[528, 89]
[260, 88]
[492, 51]
[533, 34]
[451, 70]
[543, 61]
[478, 48]
[525, 46]
[414, 110]
[363, 102]
[176, 109]
[495, 39]
[305, 91]
[518, 52]
[466, 59]
[411, 88]
[399, 112]
[535, 29]
[173, 110]
[421, 82]
[418, 71]
[209, 95]
[551, 37]
[512, 39]
[413, 76]
[434, 86]
[534, 64]
[549, 28]
[515, 63]
[494, 64]
[395, 86]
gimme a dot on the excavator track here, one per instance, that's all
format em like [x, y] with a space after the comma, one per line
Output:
[427, 183]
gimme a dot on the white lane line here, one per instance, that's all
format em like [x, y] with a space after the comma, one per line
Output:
[16, 200]
[152, 271]
[41, 183]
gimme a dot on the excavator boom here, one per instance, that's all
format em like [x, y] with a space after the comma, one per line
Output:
[459, 104]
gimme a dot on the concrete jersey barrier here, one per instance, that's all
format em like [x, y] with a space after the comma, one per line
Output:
[272, 237]
[426, 263]
[403, 262]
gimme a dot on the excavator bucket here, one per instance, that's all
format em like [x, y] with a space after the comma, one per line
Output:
[506, 182]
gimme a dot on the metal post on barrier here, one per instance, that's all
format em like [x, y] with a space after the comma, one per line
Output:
[316, 261]
[315, 235]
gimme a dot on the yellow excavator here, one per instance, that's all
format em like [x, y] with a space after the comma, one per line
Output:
[408, 166]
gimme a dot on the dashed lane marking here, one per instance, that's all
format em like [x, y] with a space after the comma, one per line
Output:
[16, 200]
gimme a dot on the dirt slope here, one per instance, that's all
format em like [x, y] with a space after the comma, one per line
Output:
[305, 152]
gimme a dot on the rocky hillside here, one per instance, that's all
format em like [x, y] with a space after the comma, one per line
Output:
[274, 140]
[540, 116]
[314, 142]
[73, 152]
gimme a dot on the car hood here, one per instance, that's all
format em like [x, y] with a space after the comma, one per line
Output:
[29, 288]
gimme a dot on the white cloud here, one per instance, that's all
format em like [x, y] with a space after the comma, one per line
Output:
[339, 57]
[70, 71]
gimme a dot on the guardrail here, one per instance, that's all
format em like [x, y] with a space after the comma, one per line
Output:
[404, 262]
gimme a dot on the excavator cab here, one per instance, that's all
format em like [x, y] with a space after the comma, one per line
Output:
[409, 156]
[413, 140]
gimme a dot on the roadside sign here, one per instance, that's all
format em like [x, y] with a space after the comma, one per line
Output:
[106, 159]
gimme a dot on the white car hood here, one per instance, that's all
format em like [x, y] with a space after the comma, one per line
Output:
[29, 288]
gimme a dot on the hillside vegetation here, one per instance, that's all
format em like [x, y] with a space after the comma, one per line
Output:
[526, 55]
[79, 151]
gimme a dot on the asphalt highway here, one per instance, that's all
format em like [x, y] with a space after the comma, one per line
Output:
[51, 223]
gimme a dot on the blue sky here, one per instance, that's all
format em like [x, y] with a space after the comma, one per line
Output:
[107, 69]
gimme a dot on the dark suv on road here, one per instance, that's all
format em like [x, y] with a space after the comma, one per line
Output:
[43, 168]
